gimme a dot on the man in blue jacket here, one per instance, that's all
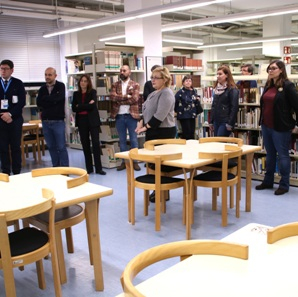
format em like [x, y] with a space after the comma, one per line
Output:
[13, 98]
[51, 101]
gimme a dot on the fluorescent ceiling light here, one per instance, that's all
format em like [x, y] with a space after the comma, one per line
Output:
[250, 41]
[112, 36]
[243, 48]
[254, 14]
[182, 40]
[141, 13]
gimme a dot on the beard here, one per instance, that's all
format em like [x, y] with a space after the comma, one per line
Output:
[123, 77]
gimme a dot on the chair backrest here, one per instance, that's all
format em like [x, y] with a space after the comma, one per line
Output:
[34, 122]
[282, 231]
[235, 140]
[4, 177]
[182, 249]
[149, 145]
[74, 182]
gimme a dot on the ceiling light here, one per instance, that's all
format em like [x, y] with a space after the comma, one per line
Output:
[112, 36]
[243, 48]
[183, 40]
[254, 14]
[141, 13]
[250, 41]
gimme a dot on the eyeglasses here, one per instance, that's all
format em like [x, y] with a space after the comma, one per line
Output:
[154, 78]
[272, 68]
[5, 68]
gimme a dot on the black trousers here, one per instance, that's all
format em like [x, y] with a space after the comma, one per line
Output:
[188, 128]
[10, 146]
[85, 131]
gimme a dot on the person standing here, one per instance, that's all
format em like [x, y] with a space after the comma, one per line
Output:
[247, 69]
[148, 87]
[13, 98]
[278, 102]
[124, 96]
[225, 103]
[187, 107]
[51, 101]
[87, 120]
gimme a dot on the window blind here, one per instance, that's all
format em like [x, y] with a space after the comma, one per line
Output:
[22, 42]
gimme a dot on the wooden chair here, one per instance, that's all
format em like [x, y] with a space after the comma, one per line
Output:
[182, 249]
[232, 164]
[65, 217]
[28, 245]
[281, 232]
[220, 179]
[30, 136]
[155, 182]
[40, 135]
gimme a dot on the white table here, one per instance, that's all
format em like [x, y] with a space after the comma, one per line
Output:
[270, 271]
[23, 190]
[190, 161]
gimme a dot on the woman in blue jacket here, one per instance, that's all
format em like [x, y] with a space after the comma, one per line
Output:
[87, 120]
[225, 103]
[278, 103]
[187, 107]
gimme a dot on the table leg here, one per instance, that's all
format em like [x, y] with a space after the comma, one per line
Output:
[248, 164]
[128, 176]
[93, 234]
[189, 196]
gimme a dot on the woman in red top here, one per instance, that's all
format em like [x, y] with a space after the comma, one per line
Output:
[278, 102]
[87, 120]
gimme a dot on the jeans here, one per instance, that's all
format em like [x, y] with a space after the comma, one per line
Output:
[277, 143]
[220, 129]
[126, 122]
[54, 134]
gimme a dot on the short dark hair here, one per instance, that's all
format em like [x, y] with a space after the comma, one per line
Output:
[250, 68]
[187, 76]
[7, 62]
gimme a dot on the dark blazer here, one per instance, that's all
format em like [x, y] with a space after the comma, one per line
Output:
[52, 105]
[16, 88]
[285, 104]
[77, 106]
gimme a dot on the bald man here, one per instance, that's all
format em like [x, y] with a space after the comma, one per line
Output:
[51, 101]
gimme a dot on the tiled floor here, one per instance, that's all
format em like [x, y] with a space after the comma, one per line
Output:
[121, 241]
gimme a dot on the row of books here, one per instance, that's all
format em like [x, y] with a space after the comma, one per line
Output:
[182, 62]
[248, 118]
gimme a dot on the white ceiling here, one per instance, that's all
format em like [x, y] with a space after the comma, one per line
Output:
[87, 10]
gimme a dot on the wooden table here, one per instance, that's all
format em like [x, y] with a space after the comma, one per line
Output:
[190, 162]
[268, 272]
[23, 190]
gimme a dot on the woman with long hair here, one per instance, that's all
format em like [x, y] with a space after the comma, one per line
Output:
[225, 103]
[87, 120]
[278, 103]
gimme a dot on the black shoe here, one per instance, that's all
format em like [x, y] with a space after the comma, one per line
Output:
[281, 191]
[90, 171]
[263, 186]
[101, 172]
[121, 167]
[152, 197]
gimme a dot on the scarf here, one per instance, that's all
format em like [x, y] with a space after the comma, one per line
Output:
[219, 89]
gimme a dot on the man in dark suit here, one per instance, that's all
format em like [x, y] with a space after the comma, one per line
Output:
[51, 101]
[13, 98]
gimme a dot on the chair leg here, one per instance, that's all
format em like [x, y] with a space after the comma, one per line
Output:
[146, 202]
[69, 240]
[232, 194]
[157, 209]
[60, 255]
[163, 195]
[224, 207]
[40, 275]
[214, 198]
[9, 281]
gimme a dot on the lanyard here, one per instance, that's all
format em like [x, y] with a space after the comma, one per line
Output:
[7, 86]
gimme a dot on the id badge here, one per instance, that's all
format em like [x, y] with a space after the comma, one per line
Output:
[4, 104]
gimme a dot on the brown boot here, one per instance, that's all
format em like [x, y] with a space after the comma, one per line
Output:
[121, 167]
[136, 167]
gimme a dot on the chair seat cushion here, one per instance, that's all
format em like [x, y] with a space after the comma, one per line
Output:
[231, 164]
[27, 240]
[212, 176]
[164, 168]
[61, 213]
[30, 137]
[150, 179]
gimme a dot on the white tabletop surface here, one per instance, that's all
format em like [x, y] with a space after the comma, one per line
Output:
[270, 271]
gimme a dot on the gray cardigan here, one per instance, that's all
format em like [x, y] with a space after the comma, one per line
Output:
[160, 105]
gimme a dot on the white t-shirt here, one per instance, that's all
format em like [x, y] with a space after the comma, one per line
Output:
[124, 108]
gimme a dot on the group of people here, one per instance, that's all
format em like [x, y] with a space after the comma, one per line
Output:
[278, 103]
